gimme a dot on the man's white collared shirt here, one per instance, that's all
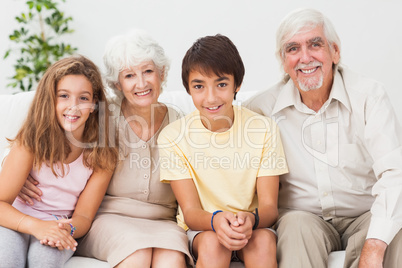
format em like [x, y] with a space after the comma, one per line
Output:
[344, 159]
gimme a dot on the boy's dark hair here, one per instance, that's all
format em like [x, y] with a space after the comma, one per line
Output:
[215, 54]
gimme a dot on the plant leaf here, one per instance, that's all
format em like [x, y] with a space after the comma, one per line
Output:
[7, 53]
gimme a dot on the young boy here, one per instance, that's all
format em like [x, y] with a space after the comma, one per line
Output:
[223, 162]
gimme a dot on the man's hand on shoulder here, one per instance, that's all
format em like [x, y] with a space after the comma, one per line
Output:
[372, 255]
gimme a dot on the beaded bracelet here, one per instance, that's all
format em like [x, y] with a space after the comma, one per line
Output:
[72, 229]
[212, 219]
[71, 226]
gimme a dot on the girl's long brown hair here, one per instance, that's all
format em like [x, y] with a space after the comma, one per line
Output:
[47, 140]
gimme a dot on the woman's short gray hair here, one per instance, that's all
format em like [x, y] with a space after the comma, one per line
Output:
[298, 19]
[131, 49]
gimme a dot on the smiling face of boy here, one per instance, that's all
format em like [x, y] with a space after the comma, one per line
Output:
[213, 96]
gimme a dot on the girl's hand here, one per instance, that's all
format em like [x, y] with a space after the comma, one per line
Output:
[227, 235]
[55, 234]
[30, 191]
[245, 223]
[55, 244]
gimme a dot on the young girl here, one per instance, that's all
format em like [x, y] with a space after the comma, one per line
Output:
[64, 145]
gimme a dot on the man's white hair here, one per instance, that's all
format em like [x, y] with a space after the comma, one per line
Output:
[303, 19]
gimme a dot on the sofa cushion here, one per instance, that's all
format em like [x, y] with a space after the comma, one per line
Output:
[83, 262]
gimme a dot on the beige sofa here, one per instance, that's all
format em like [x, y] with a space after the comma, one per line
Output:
[13, 109]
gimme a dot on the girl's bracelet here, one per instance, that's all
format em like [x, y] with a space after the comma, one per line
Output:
[19, 222]
[71, 226]
[72, 229]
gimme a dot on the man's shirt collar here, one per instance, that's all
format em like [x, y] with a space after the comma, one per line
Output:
[290, 96]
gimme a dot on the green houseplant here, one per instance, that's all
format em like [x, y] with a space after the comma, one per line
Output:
[37, 49]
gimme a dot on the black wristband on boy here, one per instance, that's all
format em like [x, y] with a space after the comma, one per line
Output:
[257, 219]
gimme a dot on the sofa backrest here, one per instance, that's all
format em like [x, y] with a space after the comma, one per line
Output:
[14, 109]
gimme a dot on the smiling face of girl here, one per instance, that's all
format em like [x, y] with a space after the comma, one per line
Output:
[75, 103]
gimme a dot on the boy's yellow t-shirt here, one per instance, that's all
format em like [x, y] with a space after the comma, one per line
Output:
[223, 165]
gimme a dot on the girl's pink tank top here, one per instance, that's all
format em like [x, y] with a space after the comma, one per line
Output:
[60, 194]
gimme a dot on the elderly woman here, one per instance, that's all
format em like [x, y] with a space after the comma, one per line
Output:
[135, 225]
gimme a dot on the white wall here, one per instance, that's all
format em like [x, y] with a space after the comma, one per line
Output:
[370, 31]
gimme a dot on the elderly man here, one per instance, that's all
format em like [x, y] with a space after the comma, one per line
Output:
[343, 145]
